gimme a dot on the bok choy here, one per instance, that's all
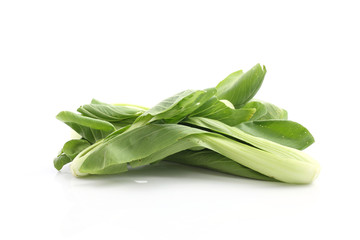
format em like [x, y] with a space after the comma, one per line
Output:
[221, 128]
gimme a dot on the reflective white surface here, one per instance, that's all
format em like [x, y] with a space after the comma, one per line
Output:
[174, 201]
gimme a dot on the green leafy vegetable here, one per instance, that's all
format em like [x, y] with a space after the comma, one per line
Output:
[220, 128]
[153, 142]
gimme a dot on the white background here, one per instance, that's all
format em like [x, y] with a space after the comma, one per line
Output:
[58, 55]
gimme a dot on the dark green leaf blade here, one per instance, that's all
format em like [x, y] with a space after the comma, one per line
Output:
[89, 128]
[266, 111]
[284, 132]
[109, 112]
[175, 108]
[61, 160]
[239, 87]
[69, 151]
[182, 106]
[74, 146]
[216, 109]
[123, 123]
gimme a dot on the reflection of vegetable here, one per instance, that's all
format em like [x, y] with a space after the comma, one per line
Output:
[216, 128]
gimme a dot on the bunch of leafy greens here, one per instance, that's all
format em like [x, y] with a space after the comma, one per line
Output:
[221, 129]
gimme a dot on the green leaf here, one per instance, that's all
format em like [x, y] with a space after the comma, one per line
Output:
[120, 149]
[211, 160]
[89, 128]
[60, 161]
[175, 108]
[123, 123]
[179, 106]
[109, 112]
[69, 151]
[239, 87]
[141, 108]
[73, 147]
[218, 110]
[284, 132]
[95, 101]
[266, 111]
